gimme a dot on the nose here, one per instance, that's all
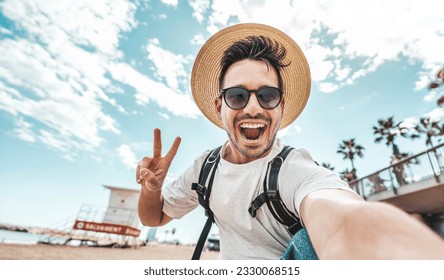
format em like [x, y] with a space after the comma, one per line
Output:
[253, 107]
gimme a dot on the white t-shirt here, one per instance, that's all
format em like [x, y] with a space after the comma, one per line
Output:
[235, 186]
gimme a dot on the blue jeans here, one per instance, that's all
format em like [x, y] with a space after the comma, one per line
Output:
[300, 248]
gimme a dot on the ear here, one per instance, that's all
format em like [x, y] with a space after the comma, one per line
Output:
[218, 105]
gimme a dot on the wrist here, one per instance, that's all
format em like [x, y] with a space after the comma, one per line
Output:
[149, 188]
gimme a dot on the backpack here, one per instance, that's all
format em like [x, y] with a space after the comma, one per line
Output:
[270, 195]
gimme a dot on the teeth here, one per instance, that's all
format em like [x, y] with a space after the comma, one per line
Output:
[252, 125]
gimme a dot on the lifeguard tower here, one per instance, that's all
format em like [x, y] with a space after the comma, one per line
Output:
[116, 225]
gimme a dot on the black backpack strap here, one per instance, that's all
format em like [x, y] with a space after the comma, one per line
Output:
[203, 194]
[272, 197]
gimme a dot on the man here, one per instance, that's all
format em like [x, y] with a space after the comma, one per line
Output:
[252, 80]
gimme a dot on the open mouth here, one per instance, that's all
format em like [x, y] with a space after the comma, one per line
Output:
[252, 132]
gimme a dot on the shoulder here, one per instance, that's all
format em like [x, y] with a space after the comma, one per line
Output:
[302, 155]
[201, 158]
[302, 159]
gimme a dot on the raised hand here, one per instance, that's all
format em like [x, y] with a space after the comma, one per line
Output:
[151, 171]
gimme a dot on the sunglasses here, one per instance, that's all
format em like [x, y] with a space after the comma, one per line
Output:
[237, 97]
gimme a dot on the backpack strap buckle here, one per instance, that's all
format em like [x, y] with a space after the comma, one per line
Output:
[201, 190]
[295, 227]
[253, 209]
[257, 203]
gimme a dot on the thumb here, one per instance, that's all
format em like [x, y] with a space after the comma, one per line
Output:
[144, 173]
[148, 180]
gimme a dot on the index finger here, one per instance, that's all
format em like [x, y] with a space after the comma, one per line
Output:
[173, 150]
[157, 145]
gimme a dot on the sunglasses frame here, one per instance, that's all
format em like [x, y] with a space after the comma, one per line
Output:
[256, 91]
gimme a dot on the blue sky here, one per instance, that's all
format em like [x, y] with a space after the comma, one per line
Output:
[82, 86]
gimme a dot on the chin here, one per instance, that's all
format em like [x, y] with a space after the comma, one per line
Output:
[253, 153]
[253, 150]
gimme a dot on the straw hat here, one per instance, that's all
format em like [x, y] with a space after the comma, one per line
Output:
[206, 70]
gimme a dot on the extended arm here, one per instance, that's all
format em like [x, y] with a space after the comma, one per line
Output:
[150, 174]
[343, 226]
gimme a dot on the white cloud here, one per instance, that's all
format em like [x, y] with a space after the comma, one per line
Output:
[424, 80]
[169, 66]
[198, 39]
[371, 31]
[164, 116]
[151, 91]
[409, 123]
[320, 66]
[54, 72]
[429, 97]
[289, 130]
[23, 130]
[56, 103]
[53, 140]
[435, 115]
[127, 156]
[5, 31]
[222, 11]
[75, 51]
[328, 87]
[53, 22]
[342, 73]
[199, 7]
[172, 3]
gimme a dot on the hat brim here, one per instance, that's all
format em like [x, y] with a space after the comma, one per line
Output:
[206, 70]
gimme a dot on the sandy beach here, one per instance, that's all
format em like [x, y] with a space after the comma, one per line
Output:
[59, 252]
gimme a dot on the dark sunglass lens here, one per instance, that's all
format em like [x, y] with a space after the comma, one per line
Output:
[236, 98]
[269, 98]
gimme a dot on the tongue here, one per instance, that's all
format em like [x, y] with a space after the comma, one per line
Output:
[252, 133]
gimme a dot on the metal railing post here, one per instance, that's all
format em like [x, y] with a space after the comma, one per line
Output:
[395, 191]
[415, 159]
[361, 187]
[433, 169]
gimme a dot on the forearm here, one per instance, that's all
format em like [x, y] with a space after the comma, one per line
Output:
[381, 231]
[368, 230]
[150, 208]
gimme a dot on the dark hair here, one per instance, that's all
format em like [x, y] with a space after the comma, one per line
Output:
[256, 48]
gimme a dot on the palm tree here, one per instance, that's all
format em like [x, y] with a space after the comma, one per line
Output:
[349, 150]
[438, 82]
[328, 166]
[388, 131]
[430, 129]
[348, 175]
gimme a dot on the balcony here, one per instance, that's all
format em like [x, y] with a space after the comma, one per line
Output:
[414, 184]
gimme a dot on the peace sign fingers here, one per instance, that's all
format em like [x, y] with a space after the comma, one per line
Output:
[153, 170]
[173, 150]
[157, 145]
